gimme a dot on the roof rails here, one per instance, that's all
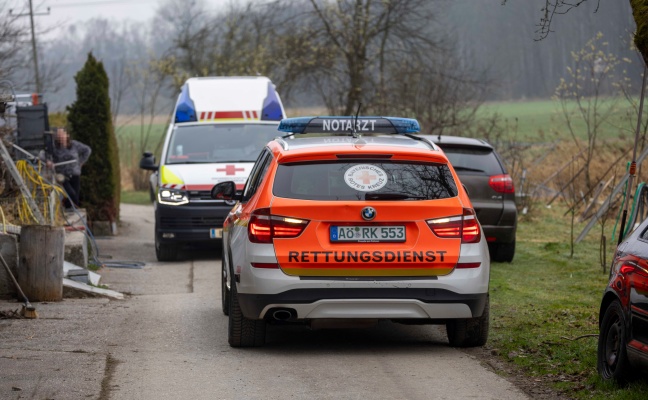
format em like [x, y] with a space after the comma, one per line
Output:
[282, 142]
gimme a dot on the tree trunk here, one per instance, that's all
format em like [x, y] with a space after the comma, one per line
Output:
[40, 270]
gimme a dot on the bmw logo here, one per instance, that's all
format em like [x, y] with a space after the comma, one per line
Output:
[368, 213]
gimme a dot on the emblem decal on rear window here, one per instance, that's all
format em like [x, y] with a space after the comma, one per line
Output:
[365, 177]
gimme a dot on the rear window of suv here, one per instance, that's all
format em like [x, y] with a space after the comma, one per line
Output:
[473, 159]
[364, 180]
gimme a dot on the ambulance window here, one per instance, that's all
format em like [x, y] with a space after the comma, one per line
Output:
[256, 176]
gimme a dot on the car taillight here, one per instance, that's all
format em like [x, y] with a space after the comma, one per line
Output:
[630, 266]
[263, 226]
[463, 226]
[502, 183]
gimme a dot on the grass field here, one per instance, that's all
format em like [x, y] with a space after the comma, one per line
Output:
[542, 120]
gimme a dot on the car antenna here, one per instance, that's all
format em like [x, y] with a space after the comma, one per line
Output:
[354, 130]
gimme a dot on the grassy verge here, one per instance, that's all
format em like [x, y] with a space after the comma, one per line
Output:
[545, 301]
[135, 197]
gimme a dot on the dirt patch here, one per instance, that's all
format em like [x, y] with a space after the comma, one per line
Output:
[538, 387]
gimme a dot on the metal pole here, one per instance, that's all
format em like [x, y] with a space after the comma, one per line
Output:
[633, 164]
[34, 50]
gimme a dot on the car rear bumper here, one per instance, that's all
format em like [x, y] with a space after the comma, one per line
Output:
[372, 303]
[188, 223]
[499, 234]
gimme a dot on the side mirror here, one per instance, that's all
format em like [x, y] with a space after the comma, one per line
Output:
[148, 162]
[225, 191]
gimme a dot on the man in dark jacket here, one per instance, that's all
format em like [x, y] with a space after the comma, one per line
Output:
[69, 155]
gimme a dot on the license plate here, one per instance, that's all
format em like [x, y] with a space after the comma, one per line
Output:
[216, 233]
[394, 233]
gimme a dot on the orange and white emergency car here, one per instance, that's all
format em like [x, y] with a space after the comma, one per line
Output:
[221, 124]
[363, 221]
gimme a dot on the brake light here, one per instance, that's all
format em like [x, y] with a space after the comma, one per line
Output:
[502, 183]
[629, 267]
[463, 226]
[263, 226]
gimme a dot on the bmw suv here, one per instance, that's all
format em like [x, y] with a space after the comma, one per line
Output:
[362, 221]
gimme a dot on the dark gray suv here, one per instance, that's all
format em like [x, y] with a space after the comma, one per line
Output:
[490, 189]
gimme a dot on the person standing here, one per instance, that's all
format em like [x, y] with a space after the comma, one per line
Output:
[71, 154]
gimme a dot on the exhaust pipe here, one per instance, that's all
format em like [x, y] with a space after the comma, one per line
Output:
[283, 314]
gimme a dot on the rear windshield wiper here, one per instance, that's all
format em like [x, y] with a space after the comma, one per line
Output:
[458, 168]
[392, 196]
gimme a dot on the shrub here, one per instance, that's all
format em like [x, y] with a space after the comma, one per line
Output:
[90, 122]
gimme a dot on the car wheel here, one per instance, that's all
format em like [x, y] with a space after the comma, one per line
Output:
[612, 355]
[243, 332]
[166, 252]
[503, 252]
[225, 292]
[469, 332]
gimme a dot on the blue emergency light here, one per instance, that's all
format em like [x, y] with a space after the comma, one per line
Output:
[362, 125]
[271, 110]
[185, 108]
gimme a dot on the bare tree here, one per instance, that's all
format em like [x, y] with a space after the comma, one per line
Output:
[12, 37]
[588, 97]
[443, 97]
[148, 79]
[390, 56]
[363, 36]
[552, 8]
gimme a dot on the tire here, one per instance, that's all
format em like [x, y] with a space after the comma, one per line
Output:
[243, 332]
[503, 252]
[469, 332]
[612, 357]
[225, 292]
[166, 252]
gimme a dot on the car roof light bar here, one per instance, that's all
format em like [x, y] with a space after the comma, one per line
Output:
[337, 125]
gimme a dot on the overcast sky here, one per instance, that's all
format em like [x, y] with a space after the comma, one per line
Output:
[62, 12]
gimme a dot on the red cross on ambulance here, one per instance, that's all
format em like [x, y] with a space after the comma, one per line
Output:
[230, 170]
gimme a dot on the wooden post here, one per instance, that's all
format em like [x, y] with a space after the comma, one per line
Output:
[40, 270]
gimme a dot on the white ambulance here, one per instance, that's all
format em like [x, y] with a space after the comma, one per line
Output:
[221, 125]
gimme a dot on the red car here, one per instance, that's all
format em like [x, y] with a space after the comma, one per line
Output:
[623, 319]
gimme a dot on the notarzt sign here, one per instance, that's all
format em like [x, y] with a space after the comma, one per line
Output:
[347, 125]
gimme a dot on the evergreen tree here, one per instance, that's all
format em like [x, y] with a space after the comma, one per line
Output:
[90, 122]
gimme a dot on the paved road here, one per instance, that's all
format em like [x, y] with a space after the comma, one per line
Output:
[168, 340]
